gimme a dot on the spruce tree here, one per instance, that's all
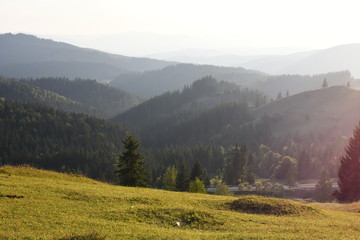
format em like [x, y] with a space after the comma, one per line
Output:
[130, 166]
[196, 171]
[182, 178]
[249, 170]
[349, 172]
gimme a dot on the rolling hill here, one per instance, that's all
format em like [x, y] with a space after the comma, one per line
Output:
[335, 110]
[82, 96]
[38, 204]
[156, 82]
[206, 111]
[26, 56]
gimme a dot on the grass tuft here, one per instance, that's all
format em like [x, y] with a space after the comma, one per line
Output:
[90, 236]
[270, 206]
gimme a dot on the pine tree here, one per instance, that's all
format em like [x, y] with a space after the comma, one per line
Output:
[182, 178]
[196, 171]
[349, 172]
[131, 170]
[249, 170]
[323, 190]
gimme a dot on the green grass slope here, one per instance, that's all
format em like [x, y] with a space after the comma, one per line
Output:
[37, 204]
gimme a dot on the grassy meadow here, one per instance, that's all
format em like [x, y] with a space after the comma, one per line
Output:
[38, 204]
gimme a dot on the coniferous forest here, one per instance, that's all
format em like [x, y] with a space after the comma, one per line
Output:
[209, 125]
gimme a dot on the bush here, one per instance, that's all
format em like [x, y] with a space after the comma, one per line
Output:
[197, 186]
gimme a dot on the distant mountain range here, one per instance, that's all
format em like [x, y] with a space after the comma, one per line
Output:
[338, 58]
[156, 82]
[26, 56]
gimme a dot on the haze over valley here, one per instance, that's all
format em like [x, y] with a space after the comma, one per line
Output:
[179, 120]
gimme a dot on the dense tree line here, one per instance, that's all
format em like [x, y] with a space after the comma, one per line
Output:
[52, 139]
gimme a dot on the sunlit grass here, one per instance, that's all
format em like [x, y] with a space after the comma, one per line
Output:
[51, 205]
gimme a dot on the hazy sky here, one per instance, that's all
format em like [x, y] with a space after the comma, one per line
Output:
[176, 24]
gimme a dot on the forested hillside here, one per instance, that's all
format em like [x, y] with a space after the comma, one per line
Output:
[84, 96]
[156, 82]
[207, 111]
[294, 84]
[24, 56]
[52, 139]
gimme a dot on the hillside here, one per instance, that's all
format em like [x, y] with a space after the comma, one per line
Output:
[20, 91]
[334, 110]
[156, 82]
[41, 204]
[104, 101]
[299, 83]
[206, 111]
[82, 96]
[52, 139]
[24, 56]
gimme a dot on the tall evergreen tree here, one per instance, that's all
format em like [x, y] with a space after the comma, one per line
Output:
[249, 170]
[182, 178]
[349, 172]
[196, 171]
[131, 170]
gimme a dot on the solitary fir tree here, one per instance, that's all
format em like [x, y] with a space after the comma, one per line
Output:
[130, 166]
[349, 172]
